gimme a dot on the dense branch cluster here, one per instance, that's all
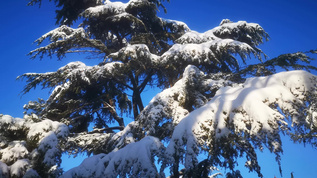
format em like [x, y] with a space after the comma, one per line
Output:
[209, 105]
[30, 146]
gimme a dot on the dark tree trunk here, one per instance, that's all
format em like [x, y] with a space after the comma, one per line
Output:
[137, 103]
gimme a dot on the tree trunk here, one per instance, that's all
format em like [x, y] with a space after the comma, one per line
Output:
[137, 103]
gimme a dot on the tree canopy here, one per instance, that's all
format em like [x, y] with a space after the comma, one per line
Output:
[209, 105]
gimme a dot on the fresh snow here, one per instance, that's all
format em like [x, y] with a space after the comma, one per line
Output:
[16, 156]
[167, 104]
[4, 170]
[204, 52]
[108, 8]
[251, 107]
[247, 104]
[137, 52]
[14, 151]
[134, 160]
[19, 168]
[62, 33]
[176, 24]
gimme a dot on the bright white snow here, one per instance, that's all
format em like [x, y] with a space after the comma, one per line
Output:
[15, 158]
[250, 107]
[136, 159]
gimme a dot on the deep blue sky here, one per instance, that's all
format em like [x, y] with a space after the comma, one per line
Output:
[291, 25]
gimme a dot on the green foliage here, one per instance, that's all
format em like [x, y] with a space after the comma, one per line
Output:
[290, 61]
[35, 106]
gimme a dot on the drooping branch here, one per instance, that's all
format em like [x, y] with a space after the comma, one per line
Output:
[242, 118]
[64, 39]
[297, 61]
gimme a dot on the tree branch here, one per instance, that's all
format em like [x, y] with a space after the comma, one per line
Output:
[114, 113]
[110, 129]
[145, 81]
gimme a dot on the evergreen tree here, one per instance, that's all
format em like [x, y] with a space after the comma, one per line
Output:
[209, 105]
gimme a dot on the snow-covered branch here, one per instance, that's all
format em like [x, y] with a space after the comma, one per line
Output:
[122, 162]
[29, 142]
[253, 112]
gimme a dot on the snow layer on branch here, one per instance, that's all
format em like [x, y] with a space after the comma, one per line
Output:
[107, 70]
[4, 170]
[206, 52]
[11, 123]
[58, 90]
[78, 72]
[125, 136]
[14, 151]
[46, 134]
[252, 33]
[122, 162]
[192, 52]
[41, 139]
[211, 46]
[19, 168]
[196, 37]
[250, 108]
[40, 129]
[176, 24]
[136, 52]
[62, 33]
[108, 8]
[118, 10]
[111, 8]
[49, 146]
[101, 142]
[87, 142]
[168, 106]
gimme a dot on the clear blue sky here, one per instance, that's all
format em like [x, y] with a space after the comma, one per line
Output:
[291, 25]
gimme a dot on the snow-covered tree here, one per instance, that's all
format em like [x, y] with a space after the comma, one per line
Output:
[209, 106]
